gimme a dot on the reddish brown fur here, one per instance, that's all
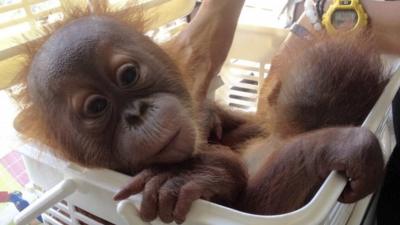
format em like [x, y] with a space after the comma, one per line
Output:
[336, 81]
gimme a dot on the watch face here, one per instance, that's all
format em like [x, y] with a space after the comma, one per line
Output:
[344, 19]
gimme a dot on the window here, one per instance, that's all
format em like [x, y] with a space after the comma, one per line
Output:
[24, 16]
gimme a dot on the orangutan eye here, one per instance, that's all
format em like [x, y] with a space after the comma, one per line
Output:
[127, 75]
[95, 105]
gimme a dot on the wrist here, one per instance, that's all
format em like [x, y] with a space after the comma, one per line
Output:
[220, 3]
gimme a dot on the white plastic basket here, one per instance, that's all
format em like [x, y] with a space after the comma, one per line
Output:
[92, 190]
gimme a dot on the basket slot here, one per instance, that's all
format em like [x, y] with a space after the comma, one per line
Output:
[88, 218]
[62, 217]
[50, 221]
[243, 94]
[243, 98]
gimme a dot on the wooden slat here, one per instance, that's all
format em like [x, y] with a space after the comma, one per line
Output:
[33, 2]
[7, 8]
[29, 15]
[13, 22]
[10, 52]
[29, 19]
[47, 12]
[28, 12]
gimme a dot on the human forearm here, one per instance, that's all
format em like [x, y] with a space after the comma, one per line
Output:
[384, 21]
[220, 18]
[206, 41]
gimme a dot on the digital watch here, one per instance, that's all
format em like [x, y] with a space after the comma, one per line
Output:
[344, 15]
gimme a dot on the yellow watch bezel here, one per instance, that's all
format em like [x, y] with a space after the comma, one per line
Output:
[355, 5]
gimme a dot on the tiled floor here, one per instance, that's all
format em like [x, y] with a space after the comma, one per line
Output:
[14, 165]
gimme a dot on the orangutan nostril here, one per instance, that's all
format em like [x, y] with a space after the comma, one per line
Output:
[135, 113]
[143, 107]
[133, 119]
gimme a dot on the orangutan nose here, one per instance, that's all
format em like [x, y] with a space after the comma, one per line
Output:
[134, 113]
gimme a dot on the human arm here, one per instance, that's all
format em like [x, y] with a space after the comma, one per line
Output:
[383, 20]
[385, 23]
[204, 44]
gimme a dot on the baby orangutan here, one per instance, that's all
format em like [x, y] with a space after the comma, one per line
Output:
[103, 95]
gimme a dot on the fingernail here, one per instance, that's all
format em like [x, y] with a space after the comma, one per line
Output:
[179, 221]
[146, 218]
[116, 198]
[119, 196]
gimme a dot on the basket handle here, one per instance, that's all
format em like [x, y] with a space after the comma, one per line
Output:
[50, 198]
